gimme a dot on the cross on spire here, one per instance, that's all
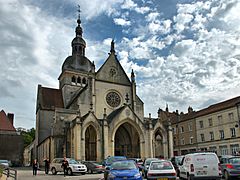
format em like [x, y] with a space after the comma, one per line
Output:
[79, 11]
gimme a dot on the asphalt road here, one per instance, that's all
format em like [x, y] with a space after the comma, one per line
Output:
[26, 174]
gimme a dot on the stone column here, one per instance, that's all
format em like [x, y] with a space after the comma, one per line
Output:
[170, 140]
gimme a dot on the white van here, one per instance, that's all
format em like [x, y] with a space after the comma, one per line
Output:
[200, 165]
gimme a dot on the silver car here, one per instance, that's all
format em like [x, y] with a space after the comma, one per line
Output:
[74, 166]
[230, 166]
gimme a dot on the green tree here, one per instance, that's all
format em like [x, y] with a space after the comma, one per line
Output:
[28, 136]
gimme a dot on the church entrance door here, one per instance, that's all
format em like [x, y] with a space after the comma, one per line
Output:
[127, 141]
[90, 144]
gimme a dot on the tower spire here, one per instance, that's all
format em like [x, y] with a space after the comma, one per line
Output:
[79, 28]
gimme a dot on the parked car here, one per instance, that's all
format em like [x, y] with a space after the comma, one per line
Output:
[138, 161]
[146, 164]
[230, 167]
[5, 163]
[74, 166]
[93, 166]
[200, 165]
[175, 161]
[108, 162]
[161, 170]
[124, 169]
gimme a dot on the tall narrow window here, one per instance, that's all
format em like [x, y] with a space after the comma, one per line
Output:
[190, 126]
[182, 129]
[73, 79]
[210, 122]
[79, 80]
[191, 140]
[211, 136]
[202, 137]
[84, 81]
[221, 132]
[233, 132]
[230, 116]
[220, 119]
[201, 124]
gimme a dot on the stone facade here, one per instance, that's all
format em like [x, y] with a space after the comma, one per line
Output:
[215, 128]
[95, 114]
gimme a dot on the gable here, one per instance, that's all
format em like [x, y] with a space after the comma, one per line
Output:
[112, 71]
[5, 124]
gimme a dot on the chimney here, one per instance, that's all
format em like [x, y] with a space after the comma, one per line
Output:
[10, 117]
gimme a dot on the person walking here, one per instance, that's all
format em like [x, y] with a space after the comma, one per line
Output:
[65, 166]
[47, 164]
[35, 167]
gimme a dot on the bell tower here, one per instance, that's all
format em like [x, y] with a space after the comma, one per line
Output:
[77, 69]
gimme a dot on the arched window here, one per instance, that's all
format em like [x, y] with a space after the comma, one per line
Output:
[84, 81]
[73, 79]
[79, 80]
[75, 48]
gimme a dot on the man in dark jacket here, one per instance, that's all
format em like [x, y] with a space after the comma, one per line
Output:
[65, 166]
[47, 164]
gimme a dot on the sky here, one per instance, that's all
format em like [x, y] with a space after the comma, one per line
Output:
[183, 52]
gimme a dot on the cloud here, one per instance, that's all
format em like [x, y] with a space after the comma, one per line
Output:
[121, 22]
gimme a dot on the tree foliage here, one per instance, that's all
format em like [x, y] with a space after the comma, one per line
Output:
[28, 136]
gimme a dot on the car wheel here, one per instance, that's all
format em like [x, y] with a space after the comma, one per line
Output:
[226, 175]
[54, 172]
[69, 171]
[89, 171]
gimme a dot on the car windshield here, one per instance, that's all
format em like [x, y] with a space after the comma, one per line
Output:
[3, 161]
[161, 165]
[148, 161]
[120, 165]
[234, 160]
[72, 161]
[178, 159]
[112, 159]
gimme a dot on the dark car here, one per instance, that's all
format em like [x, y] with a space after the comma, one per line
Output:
[108, 162]
[93, 166]
[124, 169]
[175, 161]
[230, 166]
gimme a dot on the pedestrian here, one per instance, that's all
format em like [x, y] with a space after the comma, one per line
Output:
[35, 167]
[47, 164]
[65, 166]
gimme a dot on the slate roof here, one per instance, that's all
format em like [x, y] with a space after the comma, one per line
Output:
[5, 123]
[49, 98]
[219, 106]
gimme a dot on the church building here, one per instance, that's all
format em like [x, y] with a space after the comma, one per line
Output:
[96, 113]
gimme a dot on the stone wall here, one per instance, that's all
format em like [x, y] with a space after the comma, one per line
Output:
[11, 148]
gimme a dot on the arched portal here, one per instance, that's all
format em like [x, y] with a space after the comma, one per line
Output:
[127, 141]
[91, 144]
[158, 144]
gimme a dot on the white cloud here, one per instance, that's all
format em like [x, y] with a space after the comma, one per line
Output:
[128, 4]
[122, 22]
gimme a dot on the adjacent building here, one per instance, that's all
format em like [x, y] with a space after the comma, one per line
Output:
[215, 128]
[11, 143]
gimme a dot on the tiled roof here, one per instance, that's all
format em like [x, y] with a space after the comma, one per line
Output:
[219, 106]
[50, 98]
[5, 124]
